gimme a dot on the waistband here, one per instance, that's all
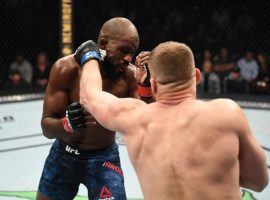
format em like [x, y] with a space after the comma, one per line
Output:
[73, 150]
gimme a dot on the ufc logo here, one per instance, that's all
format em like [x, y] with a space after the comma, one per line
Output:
[70, 150]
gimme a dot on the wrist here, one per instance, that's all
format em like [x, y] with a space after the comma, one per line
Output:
[144, 91]
[90, 55]
[146, 82]
[91, 62]
[66, 125]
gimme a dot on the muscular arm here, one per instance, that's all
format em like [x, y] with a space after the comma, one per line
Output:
[110, 111]
[55, 102]
[253, 168]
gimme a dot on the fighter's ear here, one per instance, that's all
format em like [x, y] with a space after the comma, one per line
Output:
[103, 43]
[153, 85]
[198, 76]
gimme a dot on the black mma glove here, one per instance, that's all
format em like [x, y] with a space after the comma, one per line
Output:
[146, 82]
[75, 118]
[144, 88]
[87, 51]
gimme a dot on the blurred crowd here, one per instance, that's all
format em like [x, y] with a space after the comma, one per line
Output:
[230, 40]
[223, 72]
[201, 24]
[228, 73]
[24, 77]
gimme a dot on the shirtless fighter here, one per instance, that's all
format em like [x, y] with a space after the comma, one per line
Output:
[84, 151]
[180, 147]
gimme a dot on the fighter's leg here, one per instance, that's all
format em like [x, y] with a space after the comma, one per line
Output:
[106, 180]
[109, 182]
[60, 178]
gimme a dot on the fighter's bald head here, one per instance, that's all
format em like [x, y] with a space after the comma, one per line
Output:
[118, 27]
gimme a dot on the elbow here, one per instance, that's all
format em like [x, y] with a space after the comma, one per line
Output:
[45, 132]
[47, 135]
[258, 186]
[262, 185]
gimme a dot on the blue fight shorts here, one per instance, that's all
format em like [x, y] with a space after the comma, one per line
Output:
[67, 166]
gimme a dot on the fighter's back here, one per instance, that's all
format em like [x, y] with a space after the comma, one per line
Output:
[187, 151]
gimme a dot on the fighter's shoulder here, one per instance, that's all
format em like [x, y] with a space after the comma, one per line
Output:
[224, 106]
[65, 66]
[129, 78]
[224, 114]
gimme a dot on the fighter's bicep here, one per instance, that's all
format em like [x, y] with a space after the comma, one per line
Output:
[56, 95]
[55, 103]
[248, 145]
[246, 137]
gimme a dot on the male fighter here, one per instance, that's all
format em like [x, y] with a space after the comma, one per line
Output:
[84, 151]
[180, 147]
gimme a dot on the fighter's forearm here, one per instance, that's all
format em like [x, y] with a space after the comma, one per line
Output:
[90, 85]
[53, 128]
[253, 167]
[93, 99]
[91, 78]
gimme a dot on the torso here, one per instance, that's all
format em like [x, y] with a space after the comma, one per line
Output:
[184, 153]
[96, 137]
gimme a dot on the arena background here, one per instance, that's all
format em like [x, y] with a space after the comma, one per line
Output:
[55, 28]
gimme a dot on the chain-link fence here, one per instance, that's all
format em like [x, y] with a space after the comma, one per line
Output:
[230, 40]
[29, 38]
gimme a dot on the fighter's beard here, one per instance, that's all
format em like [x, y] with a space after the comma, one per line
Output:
[109, 70]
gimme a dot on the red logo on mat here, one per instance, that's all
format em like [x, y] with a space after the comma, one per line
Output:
[105, 193]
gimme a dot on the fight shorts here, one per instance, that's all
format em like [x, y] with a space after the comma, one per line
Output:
[67, 166]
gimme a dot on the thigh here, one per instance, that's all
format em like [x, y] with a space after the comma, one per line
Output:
[109, 181]
[60, 178]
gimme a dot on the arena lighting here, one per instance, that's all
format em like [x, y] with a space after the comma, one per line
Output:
[66, 27]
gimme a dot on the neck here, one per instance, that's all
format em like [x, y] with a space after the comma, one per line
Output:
[173, 93]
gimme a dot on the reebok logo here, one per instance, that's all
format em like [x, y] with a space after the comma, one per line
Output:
[105, 194]
[70, 150]
[113, 167]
